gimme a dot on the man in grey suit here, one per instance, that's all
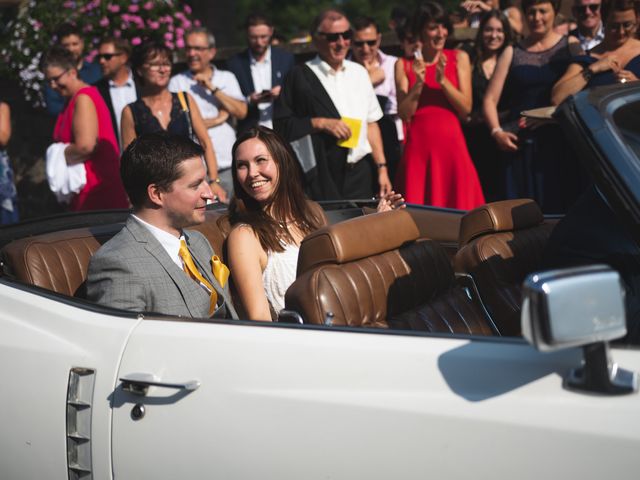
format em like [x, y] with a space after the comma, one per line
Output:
[142, 268]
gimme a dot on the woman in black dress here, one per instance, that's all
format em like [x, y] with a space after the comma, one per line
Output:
[159, 109]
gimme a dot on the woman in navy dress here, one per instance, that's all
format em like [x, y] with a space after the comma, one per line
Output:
[537, 166]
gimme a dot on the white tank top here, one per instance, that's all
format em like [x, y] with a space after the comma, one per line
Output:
[279, 274]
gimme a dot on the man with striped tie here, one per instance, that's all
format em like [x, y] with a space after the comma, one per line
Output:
[154, 264]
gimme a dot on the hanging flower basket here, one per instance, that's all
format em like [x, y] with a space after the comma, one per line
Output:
[33, 32]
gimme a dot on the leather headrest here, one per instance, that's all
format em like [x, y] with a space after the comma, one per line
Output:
[356, 238]
[504, 216]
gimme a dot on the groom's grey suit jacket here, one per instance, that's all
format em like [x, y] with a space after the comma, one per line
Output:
[132, 271]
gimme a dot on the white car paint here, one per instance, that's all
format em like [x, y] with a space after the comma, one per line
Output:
[292, 403]
[41, 339]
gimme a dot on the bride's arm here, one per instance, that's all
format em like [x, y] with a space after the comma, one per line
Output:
[246, 262]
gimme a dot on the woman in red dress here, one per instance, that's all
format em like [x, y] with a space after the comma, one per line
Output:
[85, 125]
[436, 168]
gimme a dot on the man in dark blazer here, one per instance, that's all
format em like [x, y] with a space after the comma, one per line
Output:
[144, 268]
[117, 85]
[260, 71]
[318, 98]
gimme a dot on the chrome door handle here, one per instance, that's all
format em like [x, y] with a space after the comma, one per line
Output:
[139, 383]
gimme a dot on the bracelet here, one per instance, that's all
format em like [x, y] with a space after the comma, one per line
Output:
[214, 180]
[381, 165]
[496, 130]
[214, 91]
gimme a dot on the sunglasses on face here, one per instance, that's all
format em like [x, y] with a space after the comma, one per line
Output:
[333, 37]
[107, 56]
[615, 26]
[57, 78]
[582, 9]
[360, 43]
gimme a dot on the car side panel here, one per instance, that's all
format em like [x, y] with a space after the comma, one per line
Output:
[41, 340]
[298, 403]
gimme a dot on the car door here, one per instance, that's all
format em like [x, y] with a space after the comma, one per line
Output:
[58, 367]
[312, 402]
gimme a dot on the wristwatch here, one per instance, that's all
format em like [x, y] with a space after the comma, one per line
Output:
[587, 74]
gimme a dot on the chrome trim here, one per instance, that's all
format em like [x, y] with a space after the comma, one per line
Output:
[79, 407]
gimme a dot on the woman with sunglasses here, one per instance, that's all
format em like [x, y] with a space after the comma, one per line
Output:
[158, 109]
[436, 168]
[85, 127]
[616, 59]
[536, 162]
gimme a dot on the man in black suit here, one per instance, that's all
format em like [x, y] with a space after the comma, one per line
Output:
[260, 70]
[117, 85]
[329, 111]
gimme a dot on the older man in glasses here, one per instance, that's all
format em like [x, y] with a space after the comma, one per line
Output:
[117, 86]
[328, 109]
[217, 94]
[590, 30]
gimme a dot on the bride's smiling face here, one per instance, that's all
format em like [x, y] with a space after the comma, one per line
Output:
[257, 171]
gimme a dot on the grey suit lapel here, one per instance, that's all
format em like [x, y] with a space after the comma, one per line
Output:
[190, 290]
[205, 267]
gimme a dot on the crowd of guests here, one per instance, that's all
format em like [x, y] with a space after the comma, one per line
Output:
[443, 126]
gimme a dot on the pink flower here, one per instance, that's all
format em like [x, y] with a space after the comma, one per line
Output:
[92, 55]
[148, 6]
[153, 25]
[180, 43]
[179, 32]
[168, 36]
[187, 9]
[117, 33]
[113, 8]
[69, 4]
[104, 21]
[136, 41]
[87, 28]
[37, 25]
[197, 23]
[186, 24]
[133, 8]
[170, 45]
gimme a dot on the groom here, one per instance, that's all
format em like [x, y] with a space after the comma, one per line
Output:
[153, 264]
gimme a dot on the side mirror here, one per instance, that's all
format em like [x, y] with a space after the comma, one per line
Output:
[581, 306]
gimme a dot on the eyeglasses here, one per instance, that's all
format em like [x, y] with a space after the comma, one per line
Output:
[196, 48]
[582, 9]
[57, 78]
[107, 56]
[333, 37]
[615, 26]
[154, 67]
[360, 43]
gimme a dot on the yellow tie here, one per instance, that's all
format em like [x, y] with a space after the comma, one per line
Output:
[191, 270]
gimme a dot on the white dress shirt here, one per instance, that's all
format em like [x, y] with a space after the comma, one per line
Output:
[222, 136]
[170, 243]
[588, 43]
[121, 96]
[352, 94]
[261, 76]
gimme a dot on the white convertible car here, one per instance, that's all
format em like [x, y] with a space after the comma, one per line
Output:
[402, 353]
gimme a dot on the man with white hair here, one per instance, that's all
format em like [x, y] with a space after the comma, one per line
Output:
[330, 100]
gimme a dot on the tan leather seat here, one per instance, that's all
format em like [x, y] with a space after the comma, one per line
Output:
[59, 261]
[500, 244]
[374, 271]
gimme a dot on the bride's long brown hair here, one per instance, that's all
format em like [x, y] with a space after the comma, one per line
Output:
[287, 206]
